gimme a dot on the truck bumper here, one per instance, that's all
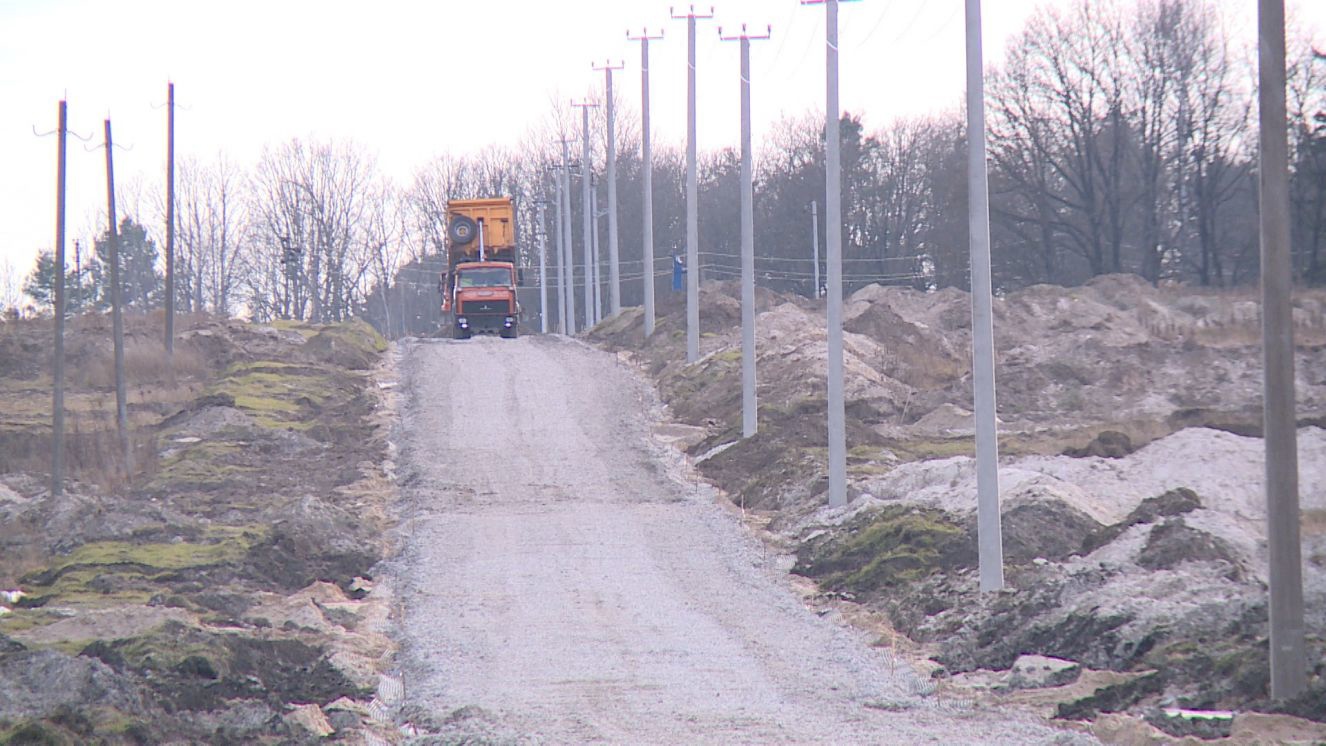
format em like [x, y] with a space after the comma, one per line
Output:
[486, 323]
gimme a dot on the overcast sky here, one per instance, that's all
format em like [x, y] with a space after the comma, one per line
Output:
[397, 76]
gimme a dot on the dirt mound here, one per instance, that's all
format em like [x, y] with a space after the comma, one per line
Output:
[38, 683]
[258, 472]
[1119, 404]
[912, 353]
[1106, 444]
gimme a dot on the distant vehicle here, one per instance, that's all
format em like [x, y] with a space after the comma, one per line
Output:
[479, 286]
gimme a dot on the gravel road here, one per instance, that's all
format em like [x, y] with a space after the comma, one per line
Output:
[561, 582]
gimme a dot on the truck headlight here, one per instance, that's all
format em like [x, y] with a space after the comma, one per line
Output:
[509, 321]
[462, 321]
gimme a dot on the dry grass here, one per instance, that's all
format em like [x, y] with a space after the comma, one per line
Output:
[93, 452]
[145, 363]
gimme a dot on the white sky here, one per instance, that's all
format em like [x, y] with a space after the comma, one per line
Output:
[390, 74]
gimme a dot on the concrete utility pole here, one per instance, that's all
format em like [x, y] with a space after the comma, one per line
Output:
[988, 529]
[815, 246]
[1288, 652]
[692, 193]
[834, 259]
[594, 246]
[543, 267]
[57, 394]
[749, 404]
[170, 220]
[561, 250]
[568, 266]
[117, 317]
[614, 267]
[586, 160]
[647, 173]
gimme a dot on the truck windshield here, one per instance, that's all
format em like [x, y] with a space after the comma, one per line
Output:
[485, 277]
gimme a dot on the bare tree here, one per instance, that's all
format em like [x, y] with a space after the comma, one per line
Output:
[309, 206]
[13, 302]
[1307, 114]
[211, 227]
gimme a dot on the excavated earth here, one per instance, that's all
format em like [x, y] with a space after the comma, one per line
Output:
[220, 589]
[1131, 487]
[221, 578]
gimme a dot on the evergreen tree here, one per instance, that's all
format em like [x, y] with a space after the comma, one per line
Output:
[80, 288]
[40, 285]
[140, 282]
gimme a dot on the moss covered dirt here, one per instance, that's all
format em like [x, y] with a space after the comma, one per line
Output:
[223, 579]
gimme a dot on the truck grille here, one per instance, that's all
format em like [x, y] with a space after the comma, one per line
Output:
[494, 306]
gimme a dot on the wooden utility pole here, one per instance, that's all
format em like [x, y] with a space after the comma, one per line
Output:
[117, 316]
[57, 395]
[1288, 651]
[170, 220]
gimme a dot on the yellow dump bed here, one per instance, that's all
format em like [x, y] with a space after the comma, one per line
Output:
[496, 215]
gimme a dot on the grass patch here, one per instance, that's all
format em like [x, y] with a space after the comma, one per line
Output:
[200, 465]
[276, 394]
[891, 548]
[125, 572]
[305, 330]
[219, 544]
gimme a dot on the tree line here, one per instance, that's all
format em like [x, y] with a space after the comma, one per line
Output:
[1122, 139]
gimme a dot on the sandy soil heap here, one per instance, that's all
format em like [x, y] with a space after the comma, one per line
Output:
[1130, 422]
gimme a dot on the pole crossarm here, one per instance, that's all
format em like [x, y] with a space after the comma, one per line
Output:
[768, 31]
[691, 14]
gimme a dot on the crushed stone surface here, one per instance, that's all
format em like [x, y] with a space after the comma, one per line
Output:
[562, 581]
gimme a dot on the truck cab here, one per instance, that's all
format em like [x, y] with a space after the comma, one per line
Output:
[484, 299]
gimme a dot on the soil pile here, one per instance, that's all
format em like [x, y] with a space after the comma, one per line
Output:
[1133, 514]
[220, 587]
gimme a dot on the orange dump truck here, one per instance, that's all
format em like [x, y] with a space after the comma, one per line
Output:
[479, 286]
